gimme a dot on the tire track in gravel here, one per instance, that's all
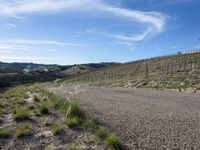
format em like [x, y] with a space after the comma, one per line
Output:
[143, 119]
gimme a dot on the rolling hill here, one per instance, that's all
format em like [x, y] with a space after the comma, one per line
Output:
[180, 71]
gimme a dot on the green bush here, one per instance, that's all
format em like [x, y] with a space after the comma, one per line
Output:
[23, 130]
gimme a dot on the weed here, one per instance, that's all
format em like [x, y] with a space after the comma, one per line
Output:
[23, 130]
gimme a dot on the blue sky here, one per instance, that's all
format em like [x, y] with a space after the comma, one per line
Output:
[84, 31]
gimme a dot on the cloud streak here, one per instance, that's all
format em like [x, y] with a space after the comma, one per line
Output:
[17, 42]
[154, 21]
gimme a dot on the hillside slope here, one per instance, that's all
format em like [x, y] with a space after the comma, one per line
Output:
[181, 71]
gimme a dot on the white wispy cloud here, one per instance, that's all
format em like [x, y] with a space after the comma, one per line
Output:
[6, 47]
[11, 25]
[121, 37]
[155, 21]
[21, 59]
[24, 42]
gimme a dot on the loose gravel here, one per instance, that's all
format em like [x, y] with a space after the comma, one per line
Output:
[143, 119]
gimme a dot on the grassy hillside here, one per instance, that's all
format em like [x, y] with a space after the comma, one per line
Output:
[181, 71]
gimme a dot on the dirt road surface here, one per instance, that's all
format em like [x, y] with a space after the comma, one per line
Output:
[143, 119]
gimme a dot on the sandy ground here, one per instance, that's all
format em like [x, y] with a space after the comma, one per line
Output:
[143, 119]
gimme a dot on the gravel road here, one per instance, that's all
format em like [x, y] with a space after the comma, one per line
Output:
[143, 119]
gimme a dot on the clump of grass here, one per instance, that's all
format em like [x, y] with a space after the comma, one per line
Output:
[101, 132]
[73, 147]
[112, 141]
[21, 114]
[75, 111]
[36, 98]
[5, 133]
[43, 108]
[56, 129]
[23, 130]
[46, 123]
[89, 124]
[73, 121]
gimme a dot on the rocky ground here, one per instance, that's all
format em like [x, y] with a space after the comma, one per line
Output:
[143, 119]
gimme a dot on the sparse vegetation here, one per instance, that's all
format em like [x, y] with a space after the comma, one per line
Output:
[101, 132]
[20, 108]
[56, 128]
[23, 130]
[43, 108]
[89, 124]
[73, 147]
[112, 141]
[5, 132]
[21, 114]
[73, 121]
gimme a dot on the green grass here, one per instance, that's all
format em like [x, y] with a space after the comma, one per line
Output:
[101, 132]
[23, 130]
[89, 124]
[56, 128]
[43, 108]
[5, 133]
[21, 114]
[112, 141]
[74, 121]
[75, 111]
[73, 147]
[36, 98]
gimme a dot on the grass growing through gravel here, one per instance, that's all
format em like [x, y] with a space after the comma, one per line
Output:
[45, 102]
[56, 128]
[5, 133]
[23, 130]
[73, 121]
[112, 141]
[73, 147]
[20, 114]
[43, 108]
[101, 132]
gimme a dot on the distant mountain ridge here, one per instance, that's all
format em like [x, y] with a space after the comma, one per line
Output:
[31, 67]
